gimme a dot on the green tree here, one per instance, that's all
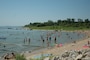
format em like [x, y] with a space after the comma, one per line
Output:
[59, 22]
[69, 20]
[87, 21]
[73, 20]
[80, 20]
[50, 22]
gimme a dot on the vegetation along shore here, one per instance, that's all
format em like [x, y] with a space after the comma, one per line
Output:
[67, 24]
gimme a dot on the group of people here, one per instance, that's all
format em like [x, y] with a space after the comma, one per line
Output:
[48, 40]
[44, 39]
[49, 37]
[27, 41]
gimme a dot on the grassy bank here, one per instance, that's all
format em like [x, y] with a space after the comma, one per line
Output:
[58, 28]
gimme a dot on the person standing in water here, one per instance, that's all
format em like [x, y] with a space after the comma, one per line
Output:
[55, 40]
[47, 38]
[29, 40]
[24, 41]
[42, 39]
[50, 39]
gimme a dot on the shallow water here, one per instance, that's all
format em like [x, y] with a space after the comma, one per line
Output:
[16, 39]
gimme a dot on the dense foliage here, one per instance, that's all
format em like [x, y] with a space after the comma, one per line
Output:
[61, 24]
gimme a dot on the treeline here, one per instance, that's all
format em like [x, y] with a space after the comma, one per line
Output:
[69, 22]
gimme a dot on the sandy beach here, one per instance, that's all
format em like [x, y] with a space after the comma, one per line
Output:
[59, 50]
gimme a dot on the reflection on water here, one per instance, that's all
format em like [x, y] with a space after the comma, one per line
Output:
[18, 39]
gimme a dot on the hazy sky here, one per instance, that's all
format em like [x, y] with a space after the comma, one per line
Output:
[21, 12]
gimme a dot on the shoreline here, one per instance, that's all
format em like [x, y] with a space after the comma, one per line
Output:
[56, 51]
[65, 47]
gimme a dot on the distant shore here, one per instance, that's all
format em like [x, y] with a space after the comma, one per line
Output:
[27, 28]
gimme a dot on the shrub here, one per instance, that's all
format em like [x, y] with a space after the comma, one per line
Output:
[20, 57]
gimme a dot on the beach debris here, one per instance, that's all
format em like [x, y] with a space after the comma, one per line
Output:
[8, 56]
[47, 58]
[74, 55]
[79, 57]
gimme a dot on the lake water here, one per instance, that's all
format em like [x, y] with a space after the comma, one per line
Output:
[16, 39]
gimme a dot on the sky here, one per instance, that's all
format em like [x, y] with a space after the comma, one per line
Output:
[22, 12]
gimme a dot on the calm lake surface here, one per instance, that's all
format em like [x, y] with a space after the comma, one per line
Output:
[16, 39]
